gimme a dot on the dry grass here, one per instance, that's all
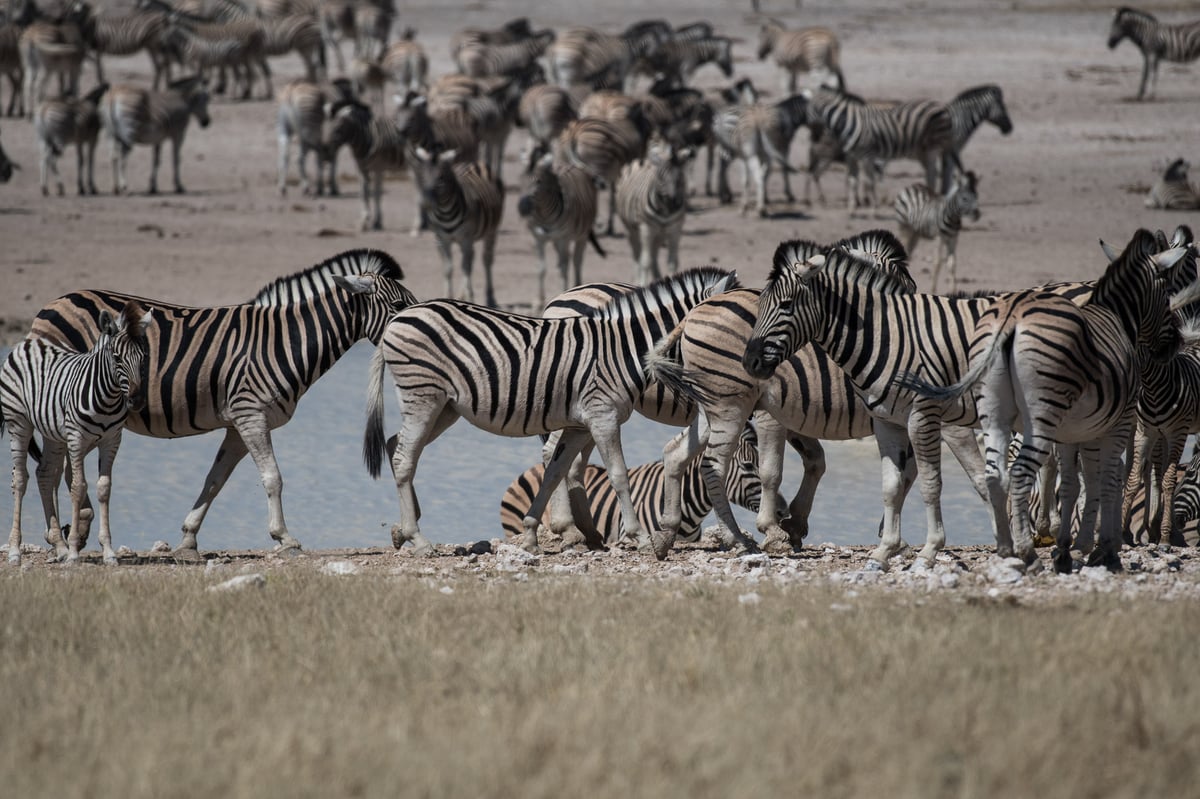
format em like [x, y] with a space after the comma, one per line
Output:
[136, 684]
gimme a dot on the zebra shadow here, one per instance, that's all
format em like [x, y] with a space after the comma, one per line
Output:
[793, 214]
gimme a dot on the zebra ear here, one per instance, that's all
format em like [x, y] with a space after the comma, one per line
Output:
[1168, 258]
[1109, 252]
[814, 262]
[356, 284]
[108, 322]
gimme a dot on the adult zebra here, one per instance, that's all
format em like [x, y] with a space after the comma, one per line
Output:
[242, 368]
[519, 376]
[920, 129]
[77, 401]
[1158, 41]
[971, 108]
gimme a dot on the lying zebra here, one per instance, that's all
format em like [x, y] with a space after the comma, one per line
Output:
[646, 486]
[77, 401]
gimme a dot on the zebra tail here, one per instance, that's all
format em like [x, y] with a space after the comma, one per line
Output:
[373, 441]
[662, 364]
[912, 381]
[596, 244]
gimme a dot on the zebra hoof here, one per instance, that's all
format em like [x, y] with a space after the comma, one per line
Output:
[111, 560]
[1063, 562]
[398, 537]
[778, 544]
[423, 549]
[873, 565]
[186, 555]
[661, 543]
[1103, 556]
[14, 558]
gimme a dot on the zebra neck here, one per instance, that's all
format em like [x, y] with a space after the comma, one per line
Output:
[100, 383]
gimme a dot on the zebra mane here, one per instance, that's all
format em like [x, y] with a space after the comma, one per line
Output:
[1115, 276]
[696, 281]
[317, 280]
[1135, 12]
[977, 91]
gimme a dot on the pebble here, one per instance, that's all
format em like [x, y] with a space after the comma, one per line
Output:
[340, 567]
[751, 598]
[160, 546]
[240, 582]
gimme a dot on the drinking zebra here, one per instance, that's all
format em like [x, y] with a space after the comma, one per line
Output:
[559, 206]
[1072, 376]
[646, 487]
[132, 115]
[60, 122]
[651, 197]
[463, 204]
[77, 401]
[804, 50]
[925, 215]
[1158, 41]
[1173, 191]
[518, 376]
[243, 368]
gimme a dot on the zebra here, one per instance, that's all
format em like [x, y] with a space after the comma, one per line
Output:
[646, 487]
[1071, 374]
[243, 368]
[922, 214]
[519, 376]
[1157, 41]
[1185, 505]
[919, 129]
[10, 65]
[58, 123]
[378, 145]
[972, 107]
[760, 135]
[1173, 191]
[544, 111]
[803, 50]
[484, 60]
[76, 402]
[133, 115]
[807, 398]
[559, 206]
[122, 36]
[602, 148]
[676, 60]
[583, 55]
[53, 48]
[406, 64]
[464, 203]
[6, 166]
[824, 149]
[490, 103]
[366, 22]
[301, 116]
[237, 45]
[512, 31]
[651, 199]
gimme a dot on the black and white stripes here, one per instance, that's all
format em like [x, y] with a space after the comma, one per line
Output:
[1158, 41]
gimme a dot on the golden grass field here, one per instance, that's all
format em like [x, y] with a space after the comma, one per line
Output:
[139, 682]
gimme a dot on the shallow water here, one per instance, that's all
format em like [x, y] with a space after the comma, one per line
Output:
[331, 501]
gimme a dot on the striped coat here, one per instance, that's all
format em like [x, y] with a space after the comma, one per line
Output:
[378, 145]
[804, 50]
[1158, 41]
[132, 115]
[559, 206]
[925, 215]
[301, 116]
[651, 198]
[243, 368]
[6, 166]
[1173, 191]
[59, 123]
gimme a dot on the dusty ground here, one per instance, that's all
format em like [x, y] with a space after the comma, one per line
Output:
[1075, 169]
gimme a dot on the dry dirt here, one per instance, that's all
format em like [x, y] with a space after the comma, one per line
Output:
[1075, 169]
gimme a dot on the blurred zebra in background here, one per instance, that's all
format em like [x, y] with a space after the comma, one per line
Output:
[10, 66]
[646, 487]
[971, 108]
[1173, 191]
[132, 115]
[301, 116]
[651, 198]
[559, 206]
[137, 31]
[805, 50]
[1158, 41]
[760, 135]
[483, 60]
[378, 145]
[58, 123]
[242, 368]
[6, 166]
[76, 401]
[406, 65]
[544, 111]
[925, 215]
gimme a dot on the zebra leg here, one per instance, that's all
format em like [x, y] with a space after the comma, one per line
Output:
[90, 160]
[539, 247]
[612, 208]
[570, 511]
[562, 249]
[49, 474]
[771, 438]
[1108, 496]
[1023, 474]
[570, 444]
[1146, 59]
[176, 147]
[800, 508]
[894, 447]
[673, 236]
[489, 256]
[924, 431]
[1169, 527]
[19, 445]
[606, 432]
[680, 451]
[377, 188]
[1140, 465]
[257, 438]
[577, 253]
[157, 153]
[997, 483]
[48, 165]
[724, 435]
[1046, 524]
[108, 454]
[443, 246]
[117, 158]
[78, 495]
[1068, 496]
[285, 140]
[633, 232]
[647, 266]
[415, 433]
[724, 194]
[365, 221]
[1160, 524]
[468, 266]
[230, 453]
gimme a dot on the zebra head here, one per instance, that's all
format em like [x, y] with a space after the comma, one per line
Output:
[1126, 22]
[125, 337]
[964, 196]
[1136, 284]
[1177, 171]
[194, 91]
[994, 110]
[376, 292]
[767, 35]
[788, 316]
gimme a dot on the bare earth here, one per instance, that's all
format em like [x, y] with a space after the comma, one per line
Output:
[1075, 169]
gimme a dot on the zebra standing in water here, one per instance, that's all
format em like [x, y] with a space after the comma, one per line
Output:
[924, 215]
[646, 486]
[464, 204]
[1158, 41]
[519, 376]
[243, 368]
[64, 121]
[804, 50]
[1173, 191]
[132, 115]
[559, 206]
[76, 402]
[651, 201]
[920, 129]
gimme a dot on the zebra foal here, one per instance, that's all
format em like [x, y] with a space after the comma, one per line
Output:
[925, 215]
[133, 115]
[463, 203]
[559, 207]
[76, 402]
[647, 487]
[1173, 191]
[517, 375]
[60, 122]
[651, 198]
[243, 368]
[1158, 41]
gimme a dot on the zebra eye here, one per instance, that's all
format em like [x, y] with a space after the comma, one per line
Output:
[785, 306]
